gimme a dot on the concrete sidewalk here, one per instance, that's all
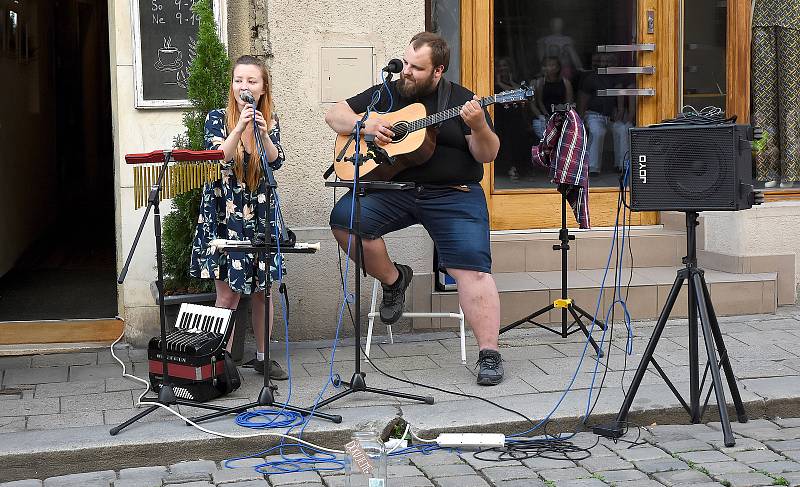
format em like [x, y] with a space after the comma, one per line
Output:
[55, 410]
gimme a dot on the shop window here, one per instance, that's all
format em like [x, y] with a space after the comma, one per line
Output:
[704, 42]
[775, 93]
[444, 18]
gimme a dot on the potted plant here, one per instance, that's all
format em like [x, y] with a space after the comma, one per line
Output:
[207, 89]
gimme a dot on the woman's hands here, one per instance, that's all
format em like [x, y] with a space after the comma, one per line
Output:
[246, 118]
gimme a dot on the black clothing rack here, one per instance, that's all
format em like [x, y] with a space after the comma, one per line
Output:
[565, 303]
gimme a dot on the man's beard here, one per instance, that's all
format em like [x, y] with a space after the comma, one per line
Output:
[411, 89]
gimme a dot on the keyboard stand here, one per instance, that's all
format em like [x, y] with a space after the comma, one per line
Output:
[266, 397]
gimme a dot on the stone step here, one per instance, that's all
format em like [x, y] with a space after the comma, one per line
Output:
[522, 293]
[533, 252]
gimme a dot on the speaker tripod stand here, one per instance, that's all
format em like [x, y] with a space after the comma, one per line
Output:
[699, 304]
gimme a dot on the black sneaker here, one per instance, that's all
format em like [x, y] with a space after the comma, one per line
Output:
[490, 372]
[394, 296]
[275, 370]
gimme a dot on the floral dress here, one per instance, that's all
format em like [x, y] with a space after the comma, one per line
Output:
[228, 210]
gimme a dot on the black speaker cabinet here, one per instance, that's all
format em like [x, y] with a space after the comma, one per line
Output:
[691, 168]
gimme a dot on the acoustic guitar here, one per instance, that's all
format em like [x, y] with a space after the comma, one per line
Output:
[411, 145]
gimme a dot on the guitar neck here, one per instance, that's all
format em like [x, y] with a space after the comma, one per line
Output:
[440, 117]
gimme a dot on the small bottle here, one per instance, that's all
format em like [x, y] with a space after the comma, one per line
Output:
[366, 460]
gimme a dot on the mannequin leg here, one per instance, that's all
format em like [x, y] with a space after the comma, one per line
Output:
[788, 47]
[765, 103]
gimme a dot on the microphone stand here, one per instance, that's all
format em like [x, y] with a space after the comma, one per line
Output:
[358, 382]
[166, 393]
[266, 397]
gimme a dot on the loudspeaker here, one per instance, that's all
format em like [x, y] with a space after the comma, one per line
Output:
[691, 167]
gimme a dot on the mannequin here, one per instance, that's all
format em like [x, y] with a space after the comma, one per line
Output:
[776, 90]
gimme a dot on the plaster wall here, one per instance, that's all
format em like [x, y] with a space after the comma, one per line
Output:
[768, 229]
[291, 34]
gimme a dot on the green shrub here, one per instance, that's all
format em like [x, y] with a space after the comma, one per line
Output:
[207, 89]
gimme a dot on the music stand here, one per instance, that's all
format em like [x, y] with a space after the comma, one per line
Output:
[699, 303]
[166, 394]
[565, 303]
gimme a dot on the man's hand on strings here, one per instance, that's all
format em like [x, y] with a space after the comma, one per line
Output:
[473, 116]
[381, 128]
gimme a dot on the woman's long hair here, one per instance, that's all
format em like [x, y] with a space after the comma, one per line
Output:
[232, 114]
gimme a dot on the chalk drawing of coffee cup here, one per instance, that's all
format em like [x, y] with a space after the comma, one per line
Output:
[169, 58]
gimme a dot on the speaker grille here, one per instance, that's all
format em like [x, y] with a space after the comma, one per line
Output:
[688, 168]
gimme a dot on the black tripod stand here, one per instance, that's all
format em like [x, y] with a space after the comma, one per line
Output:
[699, 302]
[357, 382]
[566, 304]
[266, 398]
[166, 394]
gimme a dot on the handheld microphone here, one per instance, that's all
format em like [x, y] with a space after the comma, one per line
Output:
[394, 66]
[246, 96]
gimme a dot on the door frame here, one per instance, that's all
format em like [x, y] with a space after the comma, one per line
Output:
[540, 208]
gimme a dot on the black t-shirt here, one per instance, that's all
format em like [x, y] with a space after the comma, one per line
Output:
[451, 162]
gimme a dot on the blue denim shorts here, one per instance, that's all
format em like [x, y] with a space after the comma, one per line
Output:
[456, 219]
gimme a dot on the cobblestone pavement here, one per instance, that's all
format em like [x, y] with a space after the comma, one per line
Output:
[766, 453]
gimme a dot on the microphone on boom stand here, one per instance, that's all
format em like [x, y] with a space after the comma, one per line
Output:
[393, 66]
[246, 96]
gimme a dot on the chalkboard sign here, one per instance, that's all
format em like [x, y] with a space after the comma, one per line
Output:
[165, 32]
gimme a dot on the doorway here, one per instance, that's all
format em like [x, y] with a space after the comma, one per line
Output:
[62, 263]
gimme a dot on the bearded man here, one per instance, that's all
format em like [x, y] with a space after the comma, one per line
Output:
[447, 198]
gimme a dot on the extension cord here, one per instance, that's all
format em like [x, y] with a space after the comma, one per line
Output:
[395, 443]
[471, 441]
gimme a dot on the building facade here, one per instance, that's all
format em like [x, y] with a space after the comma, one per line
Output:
[623, 63]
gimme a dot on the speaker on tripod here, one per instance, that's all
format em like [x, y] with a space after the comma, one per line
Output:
[691, 168]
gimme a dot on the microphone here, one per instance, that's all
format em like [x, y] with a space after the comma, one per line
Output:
[394, 66]
[246, 96]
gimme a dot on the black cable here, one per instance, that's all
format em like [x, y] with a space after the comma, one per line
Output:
[627, 293]
[691, 116]
[610, 324]
[550, 448]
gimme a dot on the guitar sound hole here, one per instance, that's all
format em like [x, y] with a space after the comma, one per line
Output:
[400, 131]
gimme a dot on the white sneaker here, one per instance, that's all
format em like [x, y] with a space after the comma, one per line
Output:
[771, 184]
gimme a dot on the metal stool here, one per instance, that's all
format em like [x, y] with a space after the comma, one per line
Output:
[372, 314]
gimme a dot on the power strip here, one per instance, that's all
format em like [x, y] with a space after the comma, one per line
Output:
[471, 441]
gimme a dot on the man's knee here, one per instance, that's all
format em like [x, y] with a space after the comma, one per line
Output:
[469, 276]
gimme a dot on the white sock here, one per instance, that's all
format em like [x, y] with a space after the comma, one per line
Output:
[260, 356]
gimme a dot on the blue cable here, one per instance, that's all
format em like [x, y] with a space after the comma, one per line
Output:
[388, 92]
[277, 419]
[616, 294]
[586, 342]
[424, 448]
[292, 465]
